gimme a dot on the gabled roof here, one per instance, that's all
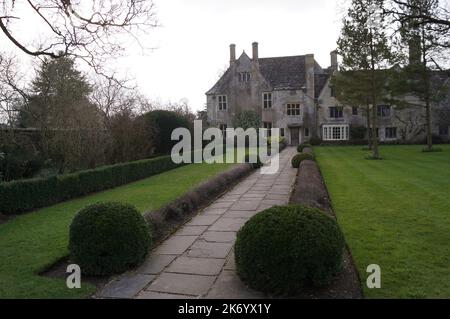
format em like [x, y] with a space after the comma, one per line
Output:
[320, 80]
[282, 73]
[221, 85]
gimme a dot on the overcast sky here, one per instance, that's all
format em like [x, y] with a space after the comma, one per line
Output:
[192, 43]
[193, 40]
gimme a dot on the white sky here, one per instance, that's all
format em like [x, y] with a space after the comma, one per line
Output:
[192, 43]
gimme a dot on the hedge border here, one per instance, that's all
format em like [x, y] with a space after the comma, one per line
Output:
[25, 195]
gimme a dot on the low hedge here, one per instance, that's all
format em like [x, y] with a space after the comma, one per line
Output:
[285, 249]
[302, 146]
[297, 159]
[25, 195]
[108, 238]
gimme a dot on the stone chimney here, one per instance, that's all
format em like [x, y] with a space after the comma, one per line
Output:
[255, 51]
[334, 60]
[232, 53]
[415, 55]
[310, 63]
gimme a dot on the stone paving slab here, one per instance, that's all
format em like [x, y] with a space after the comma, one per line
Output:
[203, 220]
[161, 295]
[221, 205]
[250, 204]
[198, 260]
[219, 237]
[215, 211]
[228, 224]
[229, 286]
[176, 245]
[245, 214]
[209, 250]
[192, 230]
[155, 264]
[194, 285]
[196, 266]
[126, 287]
[230, 263]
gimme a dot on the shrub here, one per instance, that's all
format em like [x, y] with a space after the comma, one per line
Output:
[247, 119]
[357, 132]
[285, 249]
[297, 159]
[108, 238]
[256, 165]
[302, 146]
[25, 195]
[165, 122]
[315, 141]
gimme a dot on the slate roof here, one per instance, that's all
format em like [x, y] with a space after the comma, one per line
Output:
[320, 80]
[282, 73]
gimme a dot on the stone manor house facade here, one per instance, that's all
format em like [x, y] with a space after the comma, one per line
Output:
[293, 94]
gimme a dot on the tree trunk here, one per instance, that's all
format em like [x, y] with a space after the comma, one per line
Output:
[375, 150]
[427, 92]
[429, 126]
[369, 138]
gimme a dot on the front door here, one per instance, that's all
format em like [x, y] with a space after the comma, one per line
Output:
[295, 132]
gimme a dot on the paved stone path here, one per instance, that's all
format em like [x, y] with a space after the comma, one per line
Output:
[198, 260]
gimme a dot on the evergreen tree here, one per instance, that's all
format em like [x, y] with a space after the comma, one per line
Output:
[70, 128]
[422, 43]
[364, 47]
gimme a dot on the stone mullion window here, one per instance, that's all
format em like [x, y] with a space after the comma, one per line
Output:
[223, 103]
[293, 109]
[267, 100]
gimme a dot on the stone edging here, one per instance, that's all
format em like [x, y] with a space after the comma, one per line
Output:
[173, 215]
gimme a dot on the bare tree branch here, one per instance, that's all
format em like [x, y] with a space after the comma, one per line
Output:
[92, 31]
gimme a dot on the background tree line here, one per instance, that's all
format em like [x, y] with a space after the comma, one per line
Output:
[394, 52]
[62, 122]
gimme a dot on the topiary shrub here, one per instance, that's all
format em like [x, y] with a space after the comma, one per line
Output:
[297, 159]
[108, 238]
[302, 146]
[285, 249]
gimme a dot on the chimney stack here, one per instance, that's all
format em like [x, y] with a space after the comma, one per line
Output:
[255, 51]
[334, 60]
[415, 49]
[232, 53]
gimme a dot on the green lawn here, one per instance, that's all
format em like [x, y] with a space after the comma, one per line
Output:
[394, 213]
[32, 242]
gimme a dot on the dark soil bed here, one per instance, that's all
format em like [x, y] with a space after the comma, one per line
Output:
[310, 190]
[3, 219]
[58, 270]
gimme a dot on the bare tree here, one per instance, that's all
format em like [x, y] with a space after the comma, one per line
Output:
[411, 12]
[11, 92]
[88, 30]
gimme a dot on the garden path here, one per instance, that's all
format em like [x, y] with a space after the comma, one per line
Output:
[198, 260]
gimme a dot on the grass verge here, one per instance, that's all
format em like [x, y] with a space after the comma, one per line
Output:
[394, 213]
[30, 243]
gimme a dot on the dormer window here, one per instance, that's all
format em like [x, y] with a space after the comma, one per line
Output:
[223, 104]
[267, 100]
[244, 77]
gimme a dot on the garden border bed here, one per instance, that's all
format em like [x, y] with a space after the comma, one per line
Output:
[310, 190]
[167, 220]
